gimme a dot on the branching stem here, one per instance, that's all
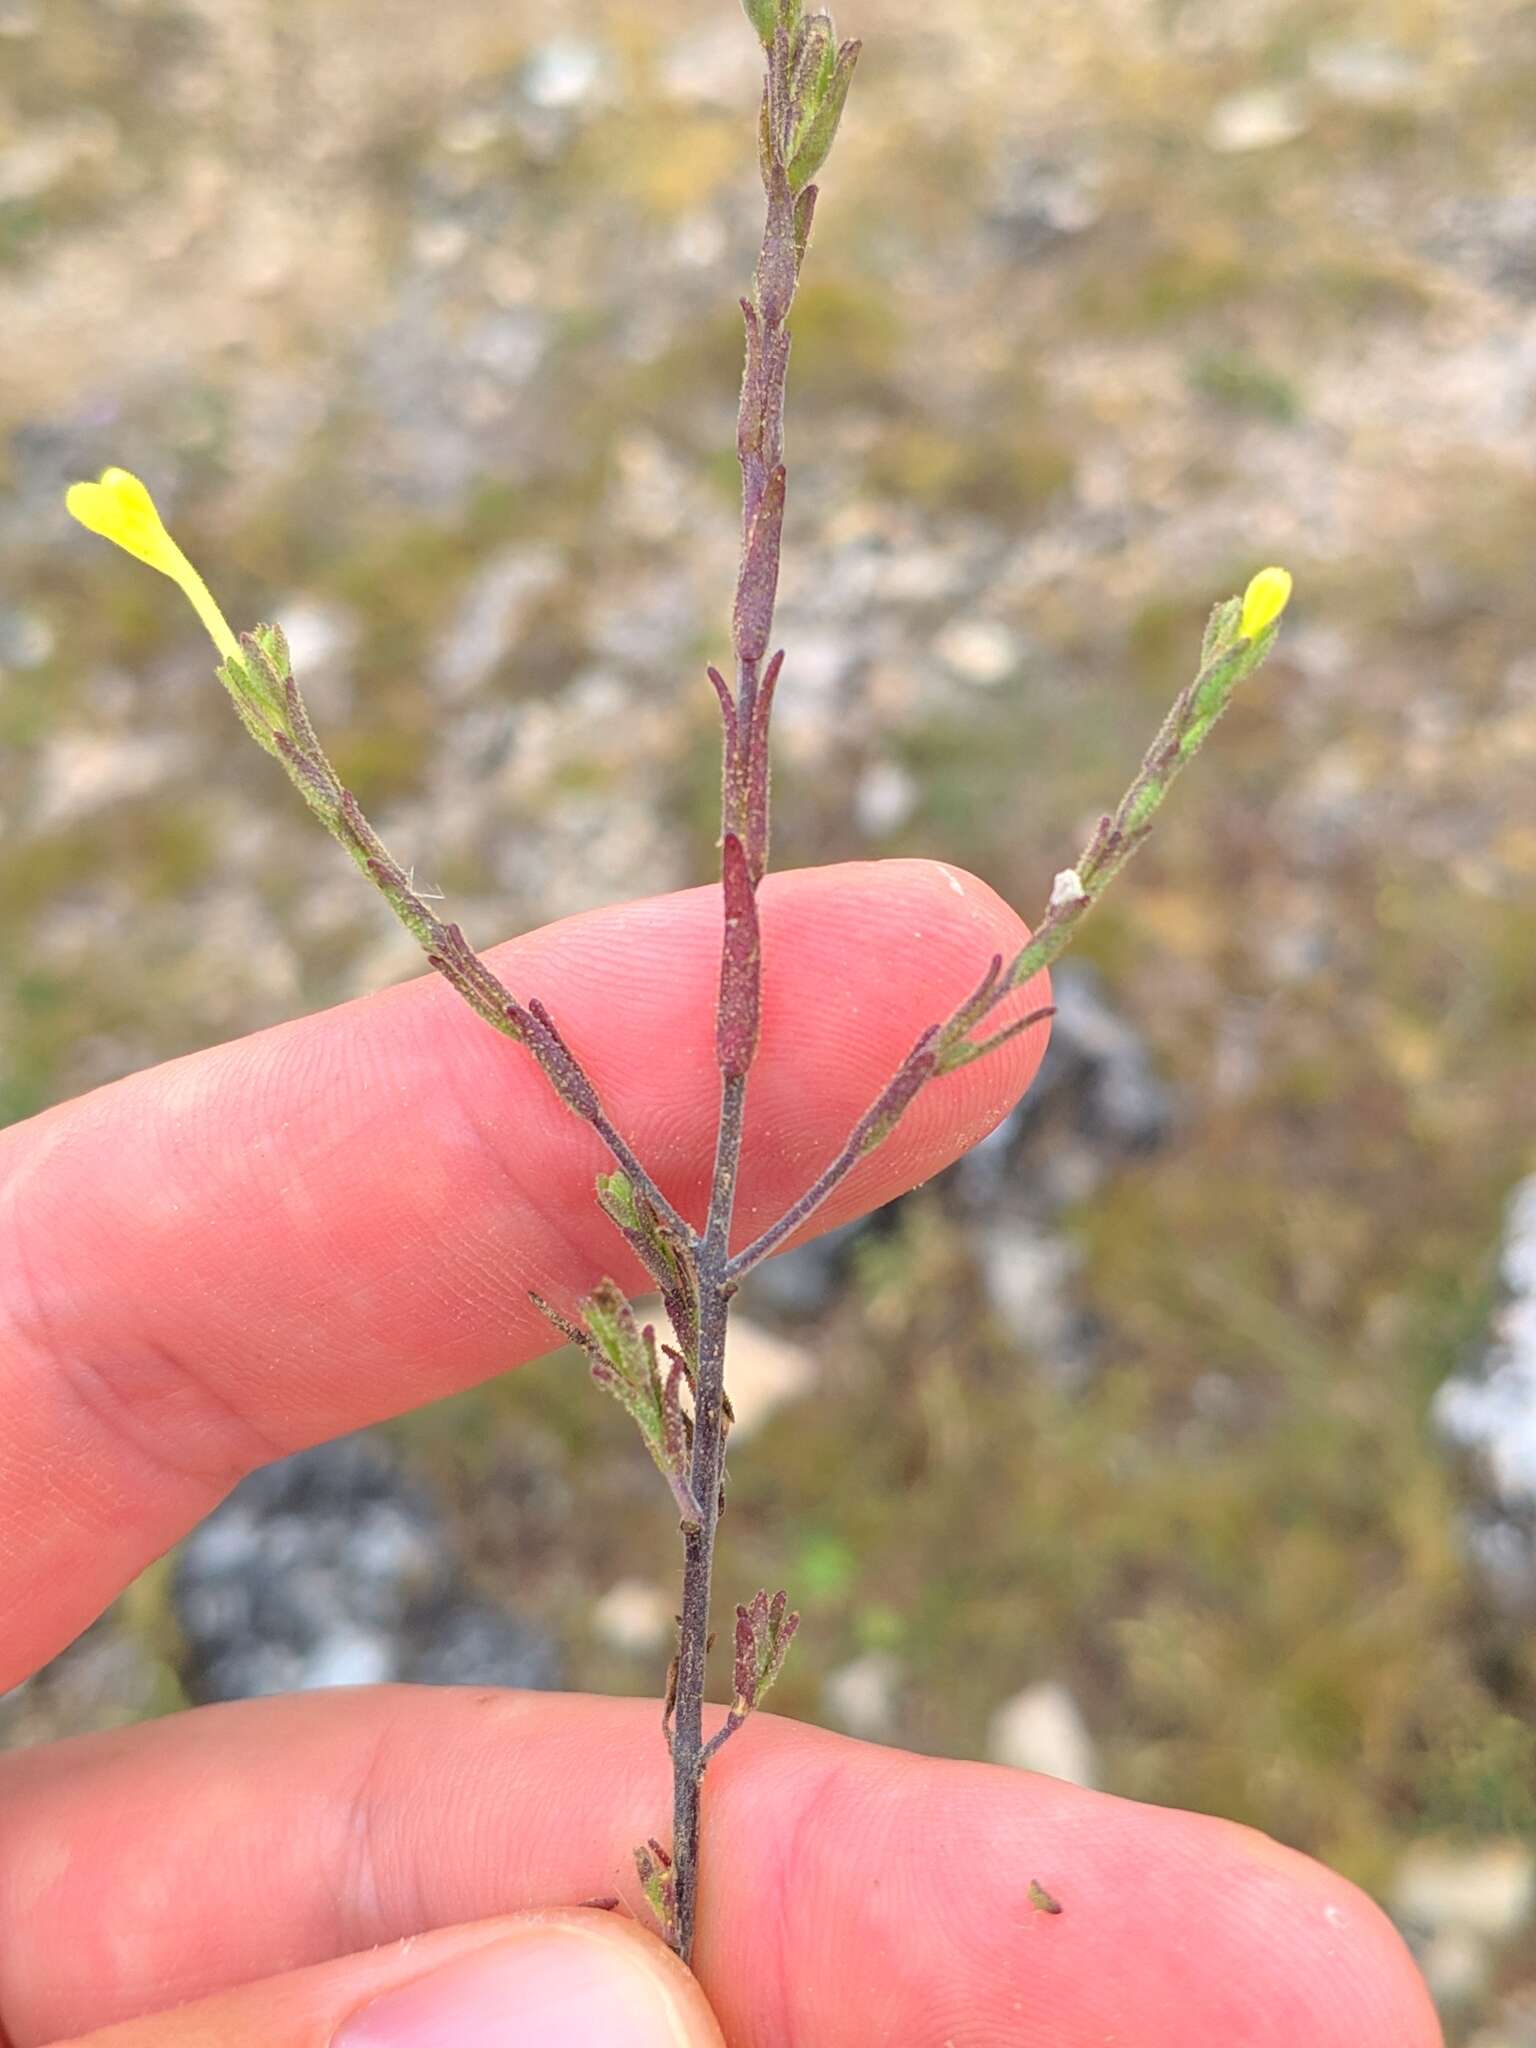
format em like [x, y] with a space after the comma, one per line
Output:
[805, 89]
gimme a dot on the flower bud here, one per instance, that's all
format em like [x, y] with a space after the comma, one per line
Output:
[1263, 601]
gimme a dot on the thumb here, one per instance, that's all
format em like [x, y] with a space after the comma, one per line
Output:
[565, 1979]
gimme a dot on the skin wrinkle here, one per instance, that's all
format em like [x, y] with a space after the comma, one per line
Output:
[787, 1885]
[357, 1891]
[109, 1408]
[90, 1397]
[168, 1453]
[575, 1232]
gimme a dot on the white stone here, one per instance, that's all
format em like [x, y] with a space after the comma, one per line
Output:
[1367, 73]
[322, 642]
[1486, 1889]
[885, 798]
[1492, 1408]
[763, 1372]
[563, 73]
[82, 772]
[633, 1617]
[860, 1698]
[1029, 1276]
[1456, 1966]
[1041, 1729]
[349, 1657]
[1261, 119]
[982, 651]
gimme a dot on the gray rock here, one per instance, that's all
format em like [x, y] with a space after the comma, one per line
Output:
[474, 1643]
[1488, 1412]
[802, 1283]
[1041, 200]
[1030, 1276]
[490, 616]
[1101, 1054]
[27, 639]
[330, 1568]
[1097, 1099]
[1491, 238]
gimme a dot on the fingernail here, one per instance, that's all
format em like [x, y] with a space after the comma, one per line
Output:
[550, 1988]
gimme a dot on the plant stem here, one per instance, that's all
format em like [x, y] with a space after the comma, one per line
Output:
[706, 1477]
[744, 841]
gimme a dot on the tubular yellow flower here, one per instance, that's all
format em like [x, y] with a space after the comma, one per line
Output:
[120, 509]
[1263, 601]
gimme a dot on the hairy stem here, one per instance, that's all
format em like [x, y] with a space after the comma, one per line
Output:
[707, 1476]
[744, 858]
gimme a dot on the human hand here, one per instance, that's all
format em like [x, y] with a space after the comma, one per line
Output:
[205, 1267]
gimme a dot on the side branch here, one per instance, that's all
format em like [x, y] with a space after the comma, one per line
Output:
[1235, 644]
[260, 680]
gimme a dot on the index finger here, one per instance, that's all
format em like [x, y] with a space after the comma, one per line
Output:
[210, 1265]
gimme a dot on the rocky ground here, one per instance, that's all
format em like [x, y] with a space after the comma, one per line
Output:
[1111, 302]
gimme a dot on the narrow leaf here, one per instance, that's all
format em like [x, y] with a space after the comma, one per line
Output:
[739, 1018]
[814, 145]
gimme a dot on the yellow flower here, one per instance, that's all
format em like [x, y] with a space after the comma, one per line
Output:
[1263, 601]
[120, 509]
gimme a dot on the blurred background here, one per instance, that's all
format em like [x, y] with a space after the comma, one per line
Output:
[1183, 1440]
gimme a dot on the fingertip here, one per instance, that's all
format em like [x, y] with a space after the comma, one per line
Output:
[563, 1977]
[1332, 1950]
[1230, 1935]
[569, 1979]
[1031, 1910]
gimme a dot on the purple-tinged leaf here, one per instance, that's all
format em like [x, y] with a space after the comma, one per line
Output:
[757, 794]
[757, 585]
[777, 272]
[740, 1011]
[560, 1065]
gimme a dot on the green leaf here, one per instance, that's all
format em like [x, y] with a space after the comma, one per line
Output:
[250, 705]
[764, 17]
[815, 140]
[1221, 629]
[617, 1198]
[815, 60]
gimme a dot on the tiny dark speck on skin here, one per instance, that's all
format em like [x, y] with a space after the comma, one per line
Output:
[1041, 1899]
